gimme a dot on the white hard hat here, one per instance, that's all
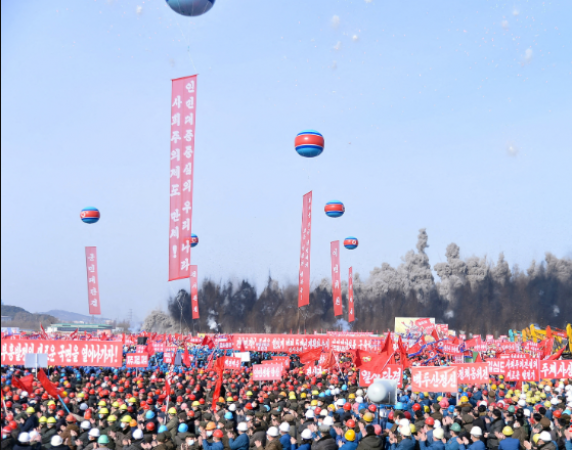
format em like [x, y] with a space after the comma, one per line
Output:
[306, 434]
[56, 440]
[555, 401]
[340, 402]
[437, 424]
[476, 431]
[545, 436]
[272, 432]
[404, 423]
[285, 427]
[526, 412]
[522, 403]
[232, 407]
[85, 425]
[309, 414]
[242, 426]
[329, 421]
[359, 393]
[439, 433]
[94, 432]
[359, 399]
[24, 438]
[405, 431]
[137, 434]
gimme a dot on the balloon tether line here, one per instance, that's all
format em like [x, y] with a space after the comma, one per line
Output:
[185, 38]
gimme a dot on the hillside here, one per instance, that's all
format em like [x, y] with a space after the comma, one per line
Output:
[67, 316]
[24, 319]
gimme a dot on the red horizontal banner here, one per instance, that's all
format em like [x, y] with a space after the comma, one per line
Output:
[65, 353]
[232, 363]
[472, 373]
[434, 379]
[556, 369]
[392, 372]
[285, 343]
[264, 372]
[137, 360]
[516, 369]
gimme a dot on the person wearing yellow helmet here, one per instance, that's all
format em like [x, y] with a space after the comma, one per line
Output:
[368, 417]
[43, 420]
[30, 410]
[51, 421]
[350, 436]
[352, 396]
[132, 400]
[103, 413]
[249, 394]
[123, 407]
[303, 395]
[112, 418]
[126, 419]
[115, 405]
[195, 404]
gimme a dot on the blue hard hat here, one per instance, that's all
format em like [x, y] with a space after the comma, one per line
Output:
[321, 395]
[451, 409]
[399, 406]
[328, 392]
[421, 396]
[405, 399]
[267, 408]
[228, 416]
[183, 428]
[149, 415]
[344, 388]
[162, 429]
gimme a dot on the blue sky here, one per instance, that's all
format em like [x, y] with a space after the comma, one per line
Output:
[451, 116]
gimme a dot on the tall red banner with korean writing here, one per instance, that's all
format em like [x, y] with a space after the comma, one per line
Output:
[336, 277]
[92, 281]
[195, 291]
[304, 280]
[351, 312]
[183, 104]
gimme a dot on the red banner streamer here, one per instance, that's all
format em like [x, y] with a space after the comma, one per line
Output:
[183, 104]
[195, 291]
[304, 281]
[336, 277]
[351, 312]
[92, 281]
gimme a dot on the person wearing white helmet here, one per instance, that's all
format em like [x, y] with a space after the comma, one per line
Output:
[272, 440]
[284, 429]
[240, 442]
[475, 443]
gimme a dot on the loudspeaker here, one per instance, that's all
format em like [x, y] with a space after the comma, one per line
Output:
[142, 340]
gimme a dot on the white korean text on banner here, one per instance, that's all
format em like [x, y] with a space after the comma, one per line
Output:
[140, 360]
[183, 119]
[264, 372]
[336, 277]
[304, 280]
[195, 291]
[92, 281]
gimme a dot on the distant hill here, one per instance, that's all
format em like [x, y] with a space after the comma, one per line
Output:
[26, 320]
[67, 316]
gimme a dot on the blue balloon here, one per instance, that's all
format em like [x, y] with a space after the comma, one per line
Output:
[191, 7]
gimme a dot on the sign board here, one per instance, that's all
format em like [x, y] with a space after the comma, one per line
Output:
[36, 361]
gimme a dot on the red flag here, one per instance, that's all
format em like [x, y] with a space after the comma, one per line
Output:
[242, 349]
[92, 281]
[208, 341]
[336, 278]
[330, 361]
[557, 355]
[24, 383]
[219, 369]
[548, 332]
[478, 359]
[351, 311]
[74, 335]
[50, 388]
[434, 334]
[186, 358]
[150, 349]
[403, 354]
[388, 345]
[310, 355]
[43, 333]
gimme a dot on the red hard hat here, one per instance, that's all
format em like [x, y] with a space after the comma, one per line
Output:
[351, 423]
[190, 413]
[317, 411]
[150, 426]
[87, 415]
[557, 414]
[407, 415]
[7, 431]
[218, 434]
[347, 406]
[372, 408]
[8, 404]
[430, 421]
[70, 418]
[13, 425]
[179, 399]
[60, 413]
[52, 407]
[390, 416]
[202, 401]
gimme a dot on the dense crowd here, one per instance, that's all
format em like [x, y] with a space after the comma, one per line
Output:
[124, 409]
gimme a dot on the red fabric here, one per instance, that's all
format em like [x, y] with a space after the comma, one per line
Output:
[92, 281]
[330, 361]
[557, 355]
[186, 358]
[351, 305]
[336, 277]
[548, 332]
[434, 334]
[219, 369]
[403, 354]
[50, 388]
[24, 383]
[195, 292]
[305, 244]
[310, 355]
[478, 359]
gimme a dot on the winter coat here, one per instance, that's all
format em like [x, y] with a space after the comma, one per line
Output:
[493, 442]
[452, 444]
[240, 443]
[479, 445]
[309, 447]
[405, 444]
[61, 447]
[373, 442]
[349, 446]
[20, 446]
[173, 426]
[8, 443]
[325, 443]
[31, 423]
[259, 435]
[548, 446]
[47, 437]
[435, 445]
[509, 444]
[213, 446]
[272, 445]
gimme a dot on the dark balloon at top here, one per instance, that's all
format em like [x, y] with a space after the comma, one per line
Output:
[191, 7]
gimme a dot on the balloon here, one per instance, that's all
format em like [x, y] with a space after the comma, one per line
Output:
[309, 143]
[334, 208]
[193, 240]
[351, 243]
[89, 215]
[191, 7]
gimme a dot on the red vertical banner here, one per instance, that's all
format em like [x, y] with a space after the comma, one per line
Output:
[92, 281]
[336, 277]
[351, 312]
[195, 291]
[183, 104]
[304, 280]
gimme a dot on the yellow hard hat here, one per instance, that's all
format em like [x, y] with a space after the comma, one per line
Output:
[509, 392]
[115, 405]
[494, 386]
[292, 396]
[229, 399]
[314, 403]
[102, 403]
[439, 398]
[195, 403]
[426, 409]
[303, 395]
[173, 411]
[112, 418]
[501, 386]
[43, 419]
[543, 396]
[507, 431]
[426, 394]
[51, 420]
[123, 407]
[368, 417]
[103, 411]
[350, 435]
[249, 394]
[51, 402]
[126, 419]
[352, 395]
[315, 393]
[81, 395]
[331, 408]
[30, 410]
[132, 400]
[547, 405]
[413, 428]
[535, 438]
[501, 377]
[464, 399]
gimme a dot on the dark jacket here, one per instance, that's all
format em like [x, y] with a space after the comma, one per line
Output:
[405, 444]
[325, 443]
[240, 443]
[493, 442]
[373, 442]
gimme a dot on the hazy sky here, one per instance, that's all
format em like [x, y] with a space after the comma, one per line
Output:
[448, 115]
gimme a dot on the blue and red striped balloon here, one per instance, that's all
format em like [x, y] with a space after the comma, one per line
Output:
[351, 243]
[89, 215]
[309, 143]
[334, 208]
[193, 240]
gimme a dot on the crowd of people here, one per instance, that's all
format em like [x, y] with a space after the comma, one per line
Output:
[124, 409]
